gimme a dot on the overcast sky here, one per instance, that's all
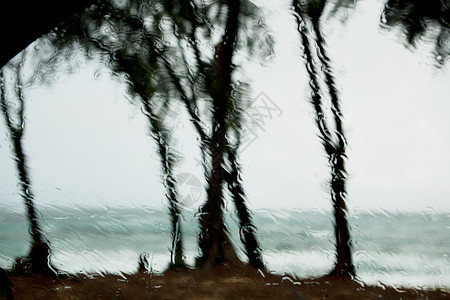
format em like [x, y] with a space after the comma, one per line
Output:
[88, 146]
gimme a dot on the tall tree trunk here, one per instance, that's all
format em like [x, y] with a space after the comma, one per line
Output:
[215, 245]
[170, 184]
[334, 149]
[161, 137]
[37, 260]
[344, 265]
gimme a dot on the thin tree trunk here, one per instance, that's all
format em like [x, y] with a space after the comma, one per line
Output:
[25, 187]
[316, 98]
[344, 265]
[246, 227]
[37, 260]
[169, 182]
[160, 136]
[335, 150]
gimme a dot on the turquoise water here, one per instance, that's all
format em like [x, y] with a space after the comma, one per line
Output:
[396, 249]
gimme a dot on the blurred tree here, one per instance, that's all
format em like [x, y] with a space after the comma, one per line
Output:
[22, 22]
[426, 20]
[138, 75]
[133, 54]
[334, 142]
[210, 77]
[37, 260]
[172, 50]
[213, 76]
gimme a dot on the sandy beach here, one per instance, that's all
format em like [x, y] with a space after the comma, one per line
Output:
[221, 282]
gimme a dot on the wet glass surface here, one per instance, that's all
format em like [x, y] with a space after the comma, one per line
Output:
[302, 139]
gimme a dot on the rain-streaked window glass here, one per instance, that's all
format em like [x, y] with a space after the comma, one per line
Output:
[227, 150]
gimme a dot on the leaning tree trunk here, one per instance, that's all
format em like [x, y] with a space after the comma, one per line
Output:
[161, 137]
[37, 260]
[170, 184]
[344, 265]
[334, 149]
[246, 227]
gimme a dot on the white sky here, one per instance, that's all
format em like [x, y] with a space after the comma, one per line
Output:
[87, 145]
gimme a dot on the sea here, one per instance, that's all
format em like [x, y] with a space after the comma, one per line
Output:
[397, 249]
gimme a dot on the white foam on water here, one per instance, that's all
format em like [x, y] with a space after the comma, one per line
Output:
[395, 269]
[111, 261]
[403, 269]
[5, 261]
[301, 264]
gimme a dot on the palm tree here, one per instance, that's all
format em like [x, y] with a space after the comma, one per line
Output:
[334, 143]
[37, 260]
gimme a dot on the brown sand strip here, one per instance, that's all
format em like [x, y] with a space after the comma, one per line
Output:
[219, 283]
